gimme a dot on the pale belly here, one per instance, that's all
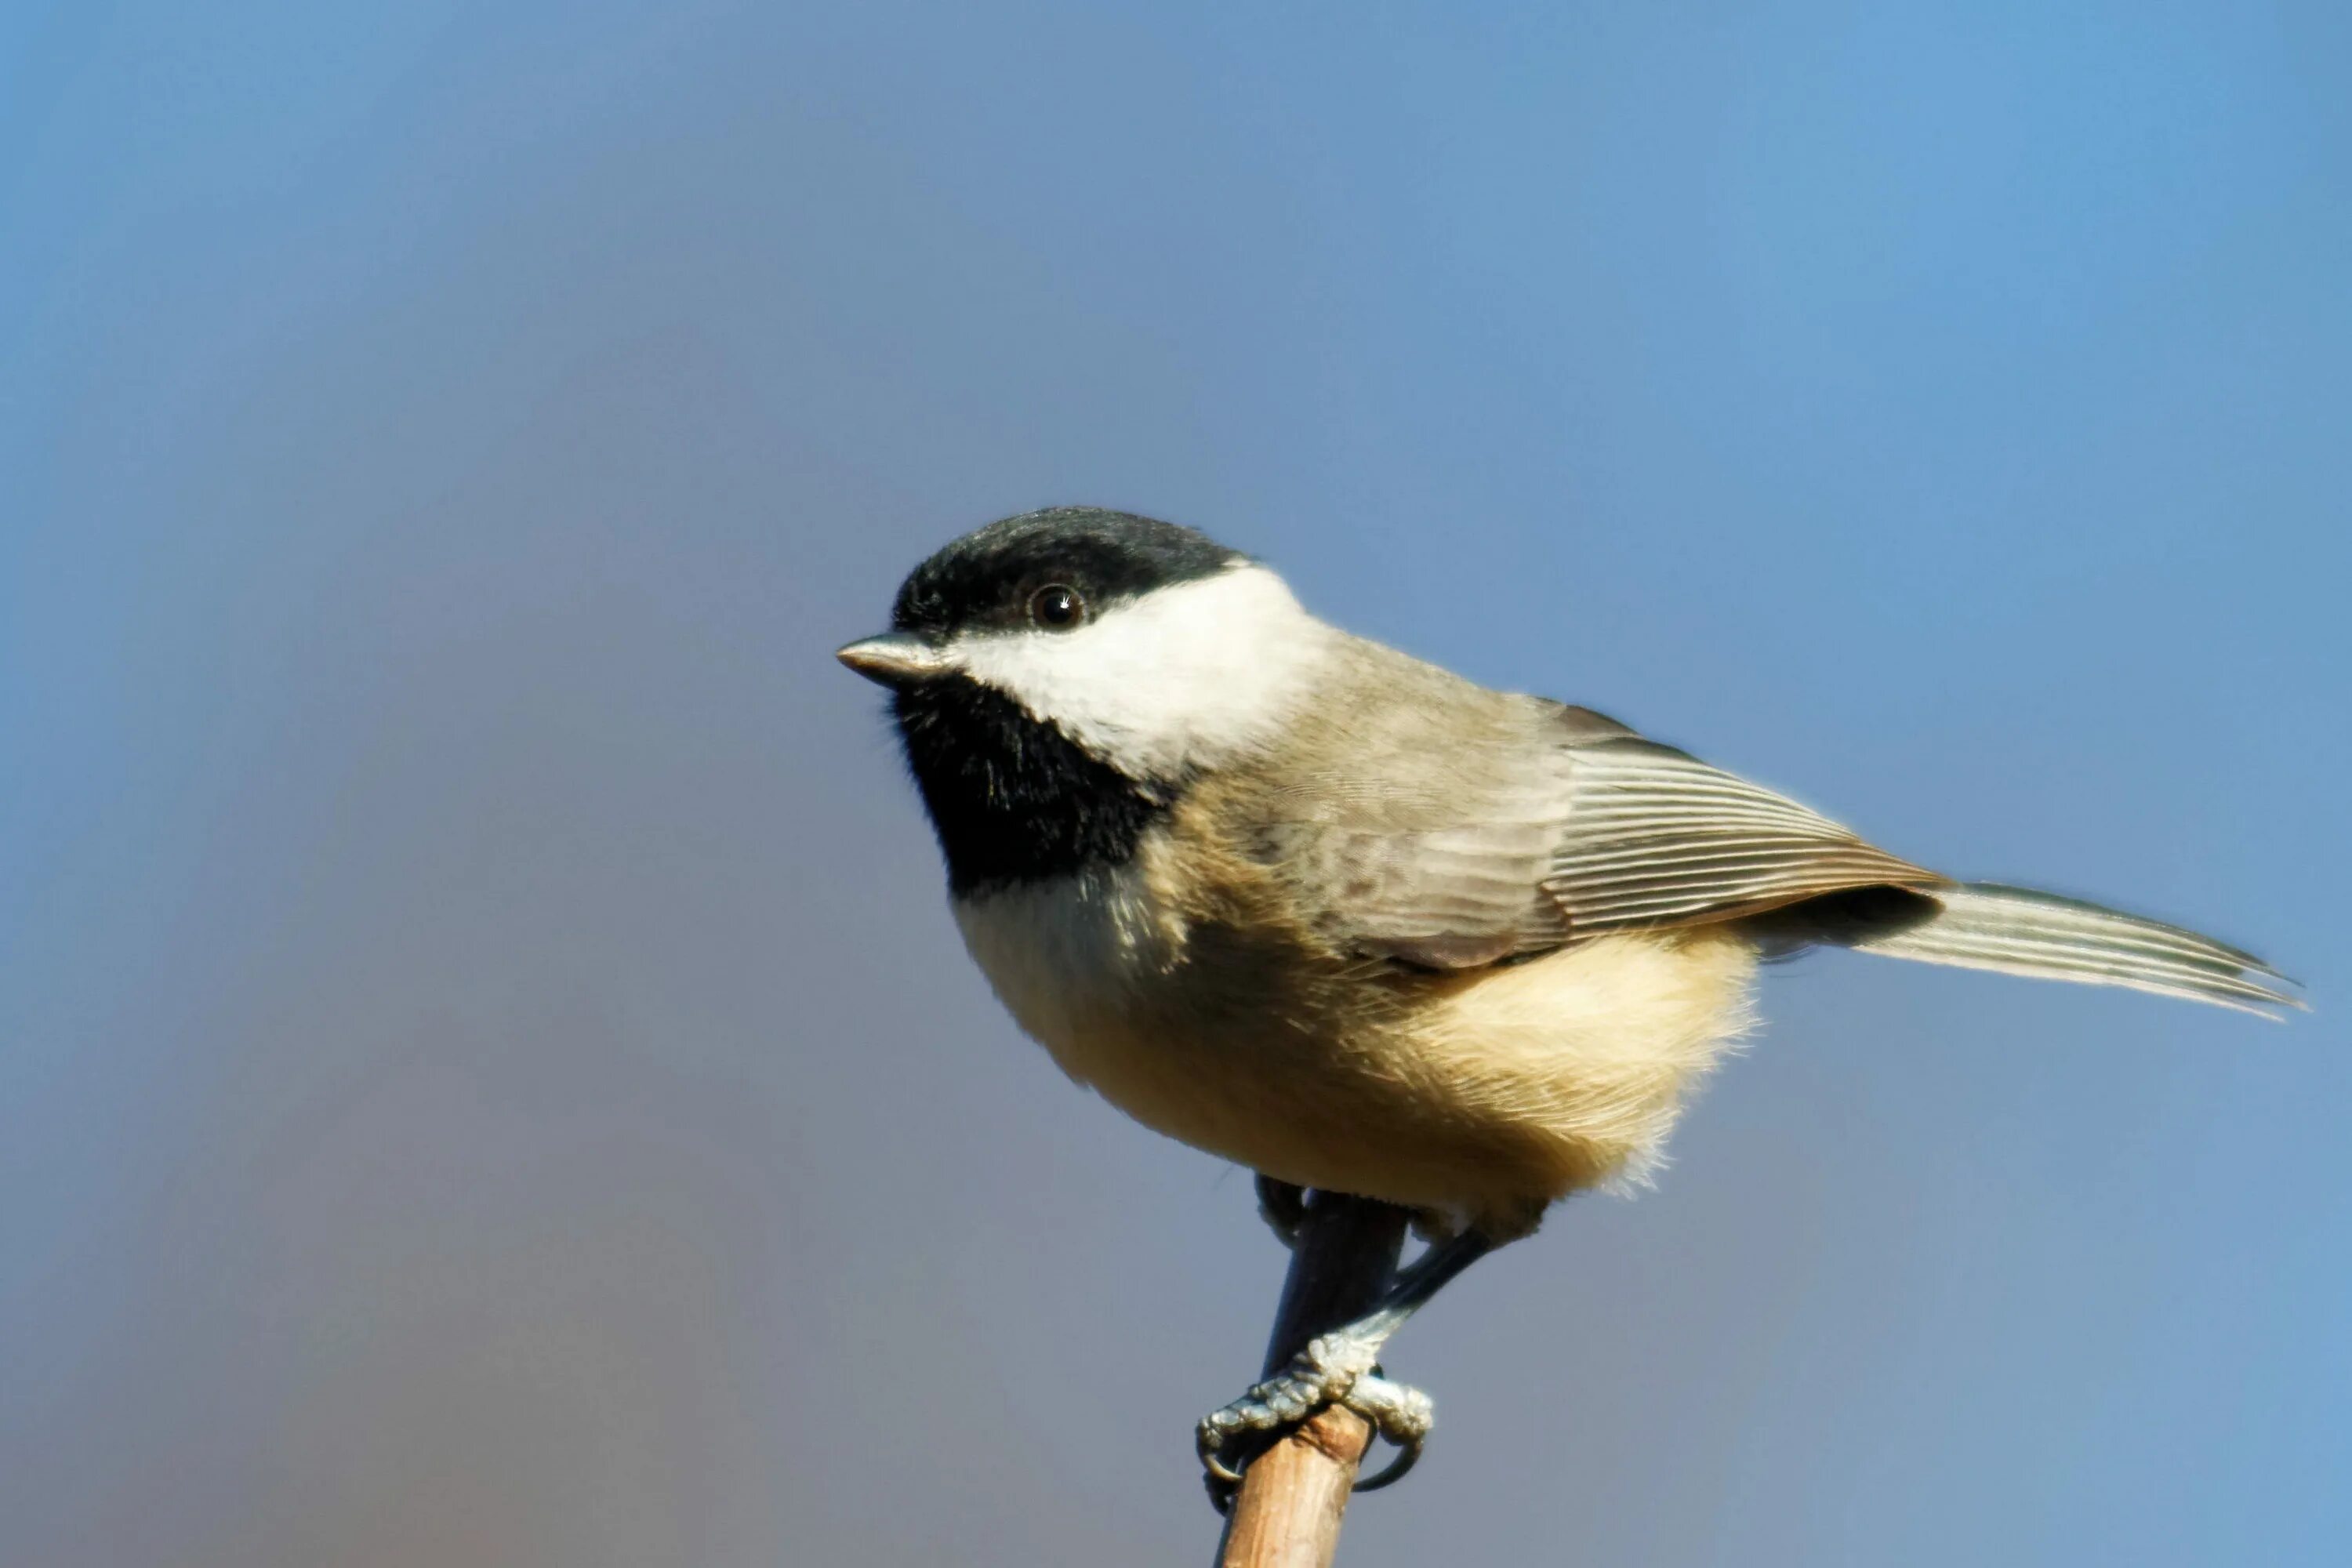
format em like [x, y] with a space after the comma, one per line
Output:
[1484, 1095]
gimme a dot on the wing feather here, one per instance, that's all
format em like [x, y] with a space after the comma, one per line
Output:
[1521, 825]
[1560, 824]
[1655, 838]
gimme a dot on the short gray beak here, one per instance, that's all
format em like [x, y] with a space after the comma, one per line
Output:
[896, 659]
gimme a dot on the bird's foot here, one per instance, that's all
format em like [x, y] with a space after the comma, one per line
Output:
[1340, 1369]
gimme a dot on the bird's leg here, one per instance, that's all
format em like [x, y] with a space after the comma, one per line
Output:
[1342, 1367]
[1283, 1206]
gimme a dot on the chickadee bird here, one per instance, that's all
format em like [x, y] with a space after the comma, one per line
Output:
[1313, 905]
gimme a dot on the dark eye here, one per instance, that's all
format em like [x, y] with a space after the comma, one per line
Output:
[1056, 608]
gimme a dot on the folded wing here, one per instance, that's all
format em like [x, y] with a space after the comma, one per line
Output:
[1578, 828]
[1584, 829]
[1655, 838]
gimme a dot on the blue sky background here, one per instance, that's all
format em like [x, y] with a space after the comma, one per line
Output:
[486, 1073]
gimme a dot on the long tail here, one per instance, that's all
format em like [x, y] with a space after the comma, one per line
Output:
[2020, 932]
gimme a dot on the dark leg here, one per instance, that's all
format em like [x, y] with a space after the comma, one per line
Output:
[1282, 1206]
[1342, 1367]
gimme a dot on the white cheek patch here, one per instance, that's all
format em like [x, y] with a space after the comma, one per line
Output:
[1186, 675]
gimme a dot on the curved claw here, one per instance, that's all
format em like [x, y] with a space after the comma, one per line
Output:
[1395, 1471]
[1403, 1415]
[1223, 1481]
[1218, 1471]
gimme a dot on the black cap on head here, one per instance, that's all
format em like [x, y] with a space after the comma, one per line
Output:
[985, 578]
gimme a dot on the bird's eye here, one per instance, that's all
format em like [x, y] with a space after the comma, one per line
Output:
[1056, 608]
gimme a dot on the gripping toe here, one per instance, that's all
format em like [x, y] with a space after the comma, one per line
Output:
[1335, 1369]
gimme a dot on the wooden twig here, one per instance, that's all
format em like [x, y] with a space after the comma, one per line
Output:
[1292, 1497]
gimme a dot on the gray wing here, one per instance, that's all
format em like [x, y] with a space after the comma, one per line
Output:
[1655, 838]
[1520, 825]
[1571, 827]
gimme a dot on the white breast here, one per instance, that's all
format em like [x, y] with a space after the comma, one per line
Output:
[1070, 957]
[1487, 1095]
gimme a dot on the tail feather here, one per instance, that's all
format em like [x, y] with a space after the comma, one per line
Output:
[2016, 930]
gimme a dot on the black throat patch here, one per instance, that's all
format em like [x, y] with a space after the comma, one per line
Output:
[1011, 798]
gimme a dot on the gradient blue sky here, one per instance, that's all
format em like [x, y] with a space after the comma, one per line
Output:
[486, 1074]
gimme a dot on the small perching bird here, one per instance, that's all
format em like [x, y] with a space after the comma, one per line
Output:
[1315, 906]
